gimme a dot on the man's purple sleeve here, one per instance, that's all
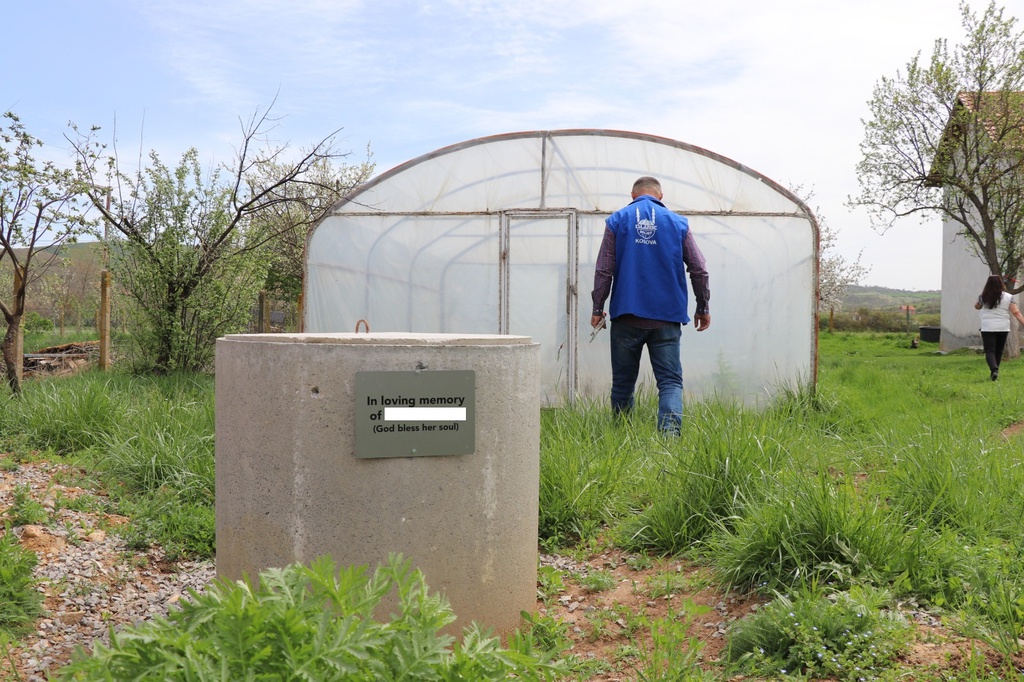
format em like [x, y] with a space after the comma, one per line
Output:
[603, 271]
[699, 281]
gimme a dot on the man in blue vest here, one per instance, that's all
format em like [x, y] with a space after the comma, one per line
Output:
[645, 256]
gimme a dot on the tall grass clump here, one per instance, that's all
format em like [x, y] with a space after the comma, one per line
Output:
[952, 476]
[814, 412]
[64, 415]
[163, 445]
[590, 467]
[812, 526]
[158, 464]
[724, 460]
[315, 623]
[161, 438]
[149, 439]
[993, 604]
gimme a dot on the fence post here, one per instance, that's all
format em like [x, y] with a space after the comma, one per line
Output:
[104, 320]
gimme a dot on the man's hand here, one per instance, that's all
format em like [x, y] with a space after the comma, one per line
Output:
[597, 321]
[701, 322]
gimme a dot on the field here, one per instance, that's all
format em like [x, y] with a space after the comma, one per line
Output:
[868, 529]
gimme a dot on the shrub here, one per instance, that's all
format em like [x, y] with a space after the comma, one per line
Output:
[34, 322]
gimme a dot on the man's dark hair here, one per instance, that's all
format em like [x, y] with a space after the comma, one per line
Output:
[647, 182]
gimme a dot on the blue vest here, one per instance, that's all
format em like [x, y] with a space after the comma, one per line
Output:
[649, 279]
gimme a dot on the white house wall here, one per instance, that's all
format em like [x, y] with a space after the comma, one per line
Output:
[963, 277]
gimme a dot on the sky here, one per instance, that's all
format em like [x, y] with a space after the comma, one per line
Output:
[779, 87]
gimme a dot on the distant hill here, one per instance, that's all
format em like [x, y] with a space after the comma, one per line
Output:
[881, 298]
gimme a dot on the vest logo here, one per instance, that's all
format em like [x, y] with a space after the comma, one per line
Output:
[645, 228]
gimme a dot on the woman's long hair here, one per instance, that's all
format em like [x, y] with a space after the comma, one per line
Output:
[992, 294]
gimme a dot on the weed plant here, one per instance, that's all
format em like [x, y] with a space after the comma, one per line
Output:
[550, 583]
[665, 584]
[812, 634]
[25, 509]
[183, 529]
[597, 581]
[672, 654]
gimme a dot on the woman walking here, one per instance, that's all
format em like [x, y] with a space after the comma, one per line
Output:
[995, 307]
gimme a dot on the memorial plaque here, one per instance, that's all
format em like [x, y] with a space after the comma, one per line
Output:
[415, 414]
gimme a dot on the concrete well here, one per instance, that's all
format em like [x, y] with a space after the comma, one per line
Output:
[293, 481]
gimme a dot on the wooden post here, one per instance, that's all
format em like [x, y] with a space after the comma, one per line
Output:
[300, 312]
[104, 320]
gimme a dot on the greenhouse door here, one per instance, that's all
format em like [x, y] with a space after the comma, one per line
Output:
[538, 292]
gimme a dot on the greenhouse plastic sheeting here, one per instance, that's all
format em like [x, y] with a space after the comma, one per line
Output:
[501, 234]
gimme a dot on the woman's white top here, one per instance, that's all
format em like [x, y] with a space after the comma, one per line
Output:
[997, 319]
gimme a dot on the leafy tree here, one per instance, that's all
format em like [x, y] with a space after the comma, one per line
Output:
[42, 207]
[945, 139]
[188, 250]
[70, 288]
[289, 224]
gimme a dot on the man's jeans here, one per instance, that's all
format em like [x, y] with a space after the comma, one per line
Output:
[663, 348]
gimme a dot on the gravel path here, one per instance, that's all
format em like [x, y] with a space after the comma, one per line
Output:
[90, 579]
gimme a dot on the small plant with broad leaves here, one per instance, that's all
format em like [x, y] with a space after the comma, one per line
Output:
[313, 623]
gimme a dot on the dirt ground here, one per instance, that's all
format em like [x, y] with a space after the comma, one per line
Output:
[936, 652]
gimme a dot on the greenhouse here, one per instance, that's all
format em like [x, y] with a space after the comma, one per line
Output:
[499, 235]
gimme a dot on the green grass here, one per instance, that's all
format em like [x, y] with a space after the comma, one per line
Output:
[149, 440]
[20, 603]
[891, 477]
[35, 341]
